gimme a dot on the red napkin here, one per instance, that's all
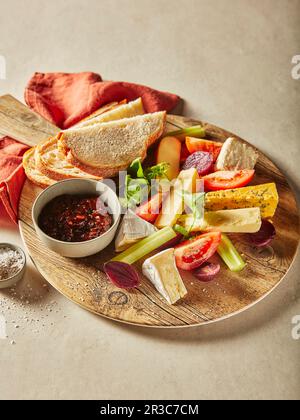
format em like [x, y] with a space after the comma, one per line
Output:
[12, 178]
[64, 99]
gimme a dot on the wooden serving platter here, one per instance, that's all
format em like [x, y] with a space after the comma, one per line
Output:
[84, 282]
[21, 123]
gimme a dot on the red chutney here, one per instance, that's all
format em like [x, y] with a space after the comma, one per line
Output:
[75, 218]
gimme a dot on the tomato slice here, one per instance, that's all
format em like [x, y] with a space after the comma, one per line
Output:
[193, 253]
[184, 153]
[200, 145]
[227, 180]
[150, 210]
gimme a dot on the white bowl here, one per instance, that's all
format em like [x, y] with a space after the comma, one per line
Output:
[78, 187]
[10, 281]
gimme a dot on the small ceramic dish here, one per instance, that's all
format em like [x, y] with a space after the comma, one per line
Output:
[10, 281]
[78, 187]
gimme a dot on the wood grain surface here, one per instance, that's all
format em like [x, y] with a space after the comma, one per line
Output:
[84, 282]
[19, 122]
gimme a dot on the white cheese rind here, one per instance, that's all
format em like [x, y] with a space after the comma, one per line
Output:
[236, 155]
[161, 270]
[133, 228]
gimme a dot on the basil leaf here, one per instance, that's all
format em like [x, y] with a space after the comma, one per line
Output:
[136, 169]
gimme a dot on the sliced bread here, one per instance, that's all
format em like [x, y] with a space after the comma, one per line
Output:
[112, 146]
[96, 172]
[32, 173]
[51, 162]
[113, 113]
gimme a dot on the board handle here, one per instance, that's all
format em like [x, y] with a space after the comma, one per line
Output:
[23, 124]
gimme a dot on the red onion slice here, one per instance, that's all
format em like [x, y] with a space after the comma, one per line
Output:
[122, 275]
[207, 272]
[264, 236]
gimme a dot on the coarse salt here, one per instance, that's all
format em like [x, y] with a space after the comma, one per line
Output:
[11, 262]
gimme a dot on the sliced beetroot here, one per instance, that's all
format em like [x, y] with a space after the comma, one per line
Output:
[264, 236]
[207, 272]
[202, 161]
[171, 244]
[122, 275]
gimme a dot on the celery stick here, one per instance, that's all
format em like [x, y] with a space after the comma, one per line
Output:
[230, 255]
[180, 229]
[146, 246]
[196, 131]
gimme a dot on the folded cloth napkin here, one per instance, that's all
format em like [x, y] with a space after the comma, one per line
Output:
[64, 99]
[11, 177]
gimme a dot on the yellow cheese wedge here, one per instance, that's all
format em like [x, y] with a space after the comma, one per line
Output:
[263, 196]
[173, 206]
[226, 221]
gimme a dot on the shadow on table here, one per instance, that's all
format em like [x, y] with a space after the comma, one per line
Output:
[255, 318]
[31, 289]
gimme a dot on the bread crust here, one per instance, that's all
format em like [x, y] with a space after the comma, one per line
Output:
[57, 174]
[41, 180]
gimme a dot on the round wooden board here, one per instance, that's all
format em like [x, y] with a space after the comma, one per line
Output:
[84, 282]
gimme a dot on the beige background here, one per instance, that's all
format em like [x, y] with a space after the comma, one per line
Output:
[231, 61]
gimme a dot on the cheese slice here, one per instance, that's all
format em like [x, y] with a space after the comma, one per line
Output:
[133, 228]
[173, 206]
[161, 270]
[264, 196]
[226, 221]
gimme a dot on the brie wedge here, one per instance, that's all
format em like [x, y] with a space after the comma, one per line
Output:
[236, 155]
[161, 270]
[133, 228]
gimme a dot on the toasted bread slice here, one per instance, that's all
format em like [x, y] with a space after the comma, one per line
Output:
[116, 112]
[53, 163]
[32, 173]
[114, 144]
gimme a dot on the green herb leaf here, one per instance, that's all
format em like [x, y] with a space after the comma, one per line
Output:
[135, 191]
[157, 171]
[136, 169]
